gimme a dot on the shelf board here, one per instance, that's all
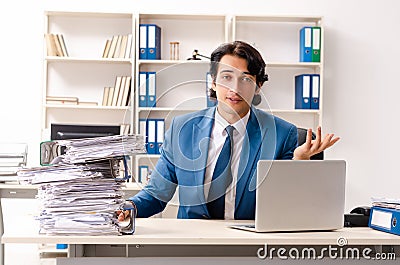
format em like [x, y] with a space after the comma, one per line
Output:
[182, 16]
[86, 107]
[89, 14]
[172, 61]
[53, 250]
[88, 60]
[161, 109]
[283, 18]
[293, 65]
[309, 111]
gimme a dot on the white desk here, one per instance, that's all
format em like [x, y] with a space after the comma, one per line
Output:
[166, 238]
[19, 191]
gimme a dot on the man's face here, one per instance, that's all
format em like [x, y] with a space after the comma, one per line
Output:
[235, 87]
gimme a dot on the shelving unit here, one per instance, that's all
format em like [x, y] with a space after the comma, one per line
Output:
[279, 46]
[84, 73]
[181, 84]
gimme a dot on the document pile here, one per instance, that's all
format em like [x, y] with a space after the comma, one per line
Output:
[79, 195]
[385, 213]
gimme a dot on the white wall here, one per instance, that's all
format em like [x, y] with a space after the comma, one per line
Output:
[361, 86]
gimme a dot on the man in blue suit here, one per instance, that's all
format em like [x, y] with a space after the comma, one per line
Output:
[194, 141]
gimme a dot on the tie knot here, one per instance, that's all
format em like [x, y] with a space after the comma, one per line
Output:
[229, 129]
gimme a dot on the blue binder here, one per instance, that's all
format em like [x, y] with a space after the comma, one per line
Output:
[142, 41]
[302, 91]
[306, 44]
[153, 42]
[385, 219]
[151, 136]
[151, 89]
[143, 129]
[142, 89]
[315, 91]
[143, 172]
[160, 126]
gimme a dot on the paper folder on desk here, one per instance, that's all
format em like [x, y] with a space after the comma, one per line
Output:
[385, 219]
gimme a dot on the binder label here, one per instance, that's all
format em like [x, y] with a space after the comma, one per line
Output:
[143, 41]
[306, 91]
[152, 131]
[315, 86]
[307, 37]
[152, 37]
[381, 219]
[316, 38]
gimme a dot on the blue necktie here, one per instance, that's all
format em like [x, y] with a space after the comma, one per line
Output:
[221, 179]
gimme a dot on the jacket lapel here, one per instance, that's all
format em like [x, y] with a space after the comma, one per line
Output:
[249, 155]
[201, 133]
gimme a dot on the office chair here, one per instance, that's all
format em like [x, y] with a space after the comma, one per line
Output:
[301, 139]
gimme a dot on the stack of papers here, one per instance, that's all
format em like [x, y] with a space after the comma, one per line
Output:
[89, 149]
[386, 202]
[80, 198]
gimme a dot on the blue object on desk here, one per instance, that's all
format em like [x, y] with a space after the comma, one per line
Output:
[61, 246]
[385, 219]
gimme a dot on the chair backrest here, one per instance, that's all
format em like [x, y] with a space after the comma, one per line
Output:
[301, 139]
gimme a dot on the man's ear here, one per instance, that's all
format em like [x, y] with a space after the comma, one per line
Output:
[257, 97]
[213, 85]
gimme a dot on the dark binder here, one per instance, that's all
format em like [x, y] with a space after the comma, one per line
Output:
[302, 91]
[153, 42]
[315, 91]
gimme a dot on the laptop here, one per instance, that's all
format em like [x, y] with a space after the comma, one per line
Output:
[299, 195]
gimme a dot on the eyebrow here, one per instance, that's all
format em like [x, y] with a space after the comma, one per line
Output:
[231, 71]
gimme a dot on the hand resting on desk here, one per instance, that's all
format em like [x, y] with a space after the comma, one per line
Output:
[122, 215]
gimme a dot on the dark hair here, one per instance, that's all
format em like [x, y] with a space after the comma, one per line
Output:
[255, 62]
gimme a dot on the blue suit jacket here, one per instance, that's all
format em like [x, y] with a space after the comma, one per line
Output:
[184, 156]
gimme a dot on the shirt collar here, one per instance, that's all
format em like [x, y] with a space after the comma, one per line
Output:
[240, 125]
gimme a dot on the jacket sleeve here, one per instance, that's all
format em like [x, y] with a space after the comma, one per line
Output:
[153, 198]
[289, 145]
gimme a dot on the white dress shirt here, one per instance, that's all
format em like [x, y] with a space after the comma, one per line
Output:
[218, 136]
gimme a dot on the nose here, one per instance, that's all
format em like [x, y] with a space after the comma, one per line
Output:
[234, 86]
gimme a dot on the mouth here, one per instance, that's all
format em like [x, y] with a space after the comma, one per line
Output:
[234, 99]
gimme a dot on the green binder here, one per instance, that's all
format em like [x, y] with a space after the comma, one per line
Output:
[316, 44]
